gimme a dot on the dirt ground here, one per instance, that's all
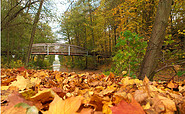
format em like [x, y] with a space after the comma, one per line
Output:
[79, 71]
[164, 75]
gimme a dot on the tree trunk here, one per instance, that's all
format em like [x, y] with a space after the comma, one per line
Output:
[110, 52]
[8, 48]
[33, 32]
[92, 34]
[150, 60]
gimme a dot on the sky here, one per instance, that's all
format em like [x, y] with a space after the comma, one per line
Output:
[61, 6]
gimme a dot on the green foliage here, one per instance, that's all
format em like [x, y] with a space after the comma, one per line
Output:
[15, 64]
[80, 62]
[43, 64]
[130, 54]
[16, 28]
[106, 73]
[180, 73]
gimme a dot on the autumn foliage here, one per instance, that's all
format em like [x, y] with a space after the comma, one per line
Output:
[53, 92]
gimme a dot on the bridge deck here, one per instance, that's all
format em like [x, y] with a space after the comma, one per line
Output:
[57, 49]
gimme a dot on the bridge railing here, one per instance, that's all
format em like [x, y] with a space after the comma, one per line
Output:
[58, 49]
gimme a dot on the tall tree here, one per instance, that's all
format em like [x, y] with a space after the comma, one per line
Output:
[151, 57]
[33, 31]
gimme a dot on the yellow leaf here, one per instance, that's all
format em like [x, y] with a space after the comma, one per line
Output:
[35, 81]
[4, 87]
[43, 95]
[106, 109]
[68, 106]
[108, 90]
[147, 106]
[125, 81]
[181, 88]
[27, 93]
[124, 72]
[22, 83]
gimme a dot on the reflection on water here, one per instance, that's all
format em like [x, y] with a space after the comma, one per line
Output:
[56, 64]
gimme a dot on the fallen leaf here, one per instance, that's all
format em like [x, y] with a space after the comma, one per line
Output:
[67, 106]
[169, 104]
[86, 111]
[128, 108]
[21, 83]
[21, 69]
[108, 90]
[14, 110]
[106, 109]
[182, 108]
[4, 87]
[146, 80]
[147, 106]
[140, 95]
[41, 74]
[171, 84]
[14, 99]
[35, 81]
[27, 93]
[181, 88]
[43, 98]
[158, 105]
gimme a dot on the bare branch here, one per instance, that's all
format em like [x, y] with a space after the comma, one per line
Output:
[168, 66]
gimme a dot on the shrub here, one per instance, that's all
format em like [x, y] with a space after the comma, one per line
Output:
[131, 50]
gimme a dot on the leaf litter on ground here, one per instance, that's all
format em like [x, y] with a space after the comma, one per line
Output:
[54, 92]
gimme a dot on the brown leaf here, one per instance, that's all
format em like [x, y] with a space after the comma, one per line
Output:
[140, 95]
[14, 110]
[182, 108]
[169, 104]
[14, 99]
[86, 111]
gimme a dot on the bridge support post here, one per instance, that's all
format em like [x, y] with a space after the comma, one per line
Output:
[47, 50]
[69, 50]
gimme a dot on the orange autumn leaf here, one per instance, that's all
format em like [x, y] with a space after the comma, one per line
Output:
[128, 108]
[68, 106]
[171, 84]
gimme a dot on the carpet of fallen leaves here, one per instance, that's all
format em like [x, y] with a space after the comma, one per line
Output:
[53, 92]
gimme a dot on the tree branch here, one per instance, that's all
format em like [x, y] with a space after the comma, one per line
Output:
[16, 14]
[10, 11]
[168, 66]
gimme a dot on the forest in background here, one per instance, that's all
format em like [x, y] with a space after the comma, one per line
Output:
[115, 32]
